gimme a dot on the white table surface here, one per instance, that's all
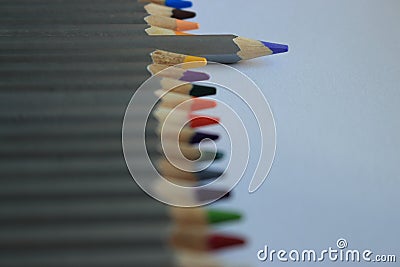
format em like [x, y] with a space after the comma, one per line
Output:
[335, 99]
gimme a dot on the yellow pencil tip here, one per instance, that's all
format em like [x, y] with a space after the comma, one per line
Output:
[195, 62]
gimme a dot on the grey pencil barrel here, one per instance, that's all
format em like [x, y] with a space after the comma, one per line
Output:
[67, 56]
[78, 188]
[54, 167]
[99, 81]
[83, 68]
[71, 30]
[89, 236]
[31, 6]
[219, 48]
[72, 2]
[116, 257]
[42, 99]
[49, 209]
[68, 188]
[16, 129]
[69, 166]
[87, 181]
[85, 110]
[95, 147]
[31, 99]
[78, 18]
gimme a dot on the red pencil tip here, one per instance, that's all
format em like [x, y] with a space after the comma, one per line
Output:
[199, 120]
[216, 241]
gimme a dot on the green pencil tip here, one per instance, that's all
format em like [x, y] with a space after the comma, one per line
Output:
[219, 155]
[211, 155]
[219, 216]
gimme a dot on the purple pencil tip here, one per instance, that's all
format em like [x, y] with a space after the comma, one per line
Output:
[194, 76]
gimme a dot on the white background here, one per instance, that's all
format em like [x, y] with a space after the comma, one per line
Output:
[335, 98]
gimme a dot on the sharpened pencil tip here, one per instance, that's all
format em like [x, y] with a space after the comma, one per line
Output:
[202, 61]
[183, 25]
[276, 48]
[199, 120]
[193, 76]
[183, 14]
[219, 155]
[220, 216]
[178, 3]
[217, 241]
[199, 136]
[200, 90]
[199, 104]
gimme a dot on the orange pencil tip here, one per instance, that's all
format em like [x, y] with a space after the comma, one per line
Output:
[199, 104]
[182, 25]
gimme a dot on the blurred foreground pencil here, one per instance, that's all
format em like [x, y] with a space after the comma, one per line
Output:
[65, 187]
[45, 207]
[89, 76]
[24, 130]
[152, 235]
[108, 147]
[116, 257]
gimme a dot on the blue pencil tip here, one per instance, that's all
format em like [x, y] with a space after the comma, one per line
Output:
[276, 48]
[178, 3]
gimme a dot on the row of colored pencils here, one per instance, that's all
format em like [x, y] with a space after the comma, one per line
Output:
[69, 69]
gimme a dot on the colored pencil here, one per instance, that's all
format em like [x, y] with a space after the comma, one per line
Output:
[110, 235]
[45, 207]
[194, 120]
[92, 165]
[99, 18]
[170, 3]
[66, 187]
[14, 130]
[116, 257]
[117, 77]
[87, 30]
[55, 7]
[176, 86]
[98, 147]
[218, 48]
[156, 9]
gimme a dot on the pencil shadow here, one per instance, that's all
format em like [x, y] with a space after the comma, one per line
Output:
[255, 63]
